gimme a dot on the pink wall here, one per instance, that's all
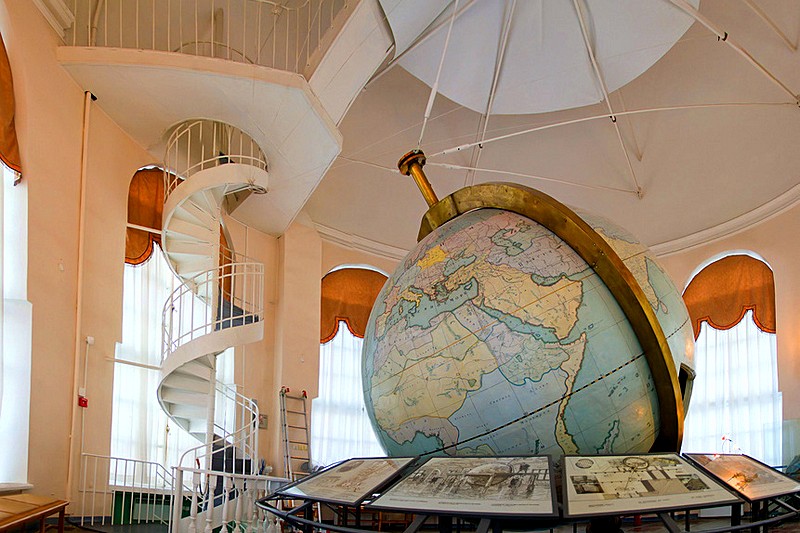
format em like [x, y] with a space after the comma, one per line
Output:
[776, 241]
[49, 124]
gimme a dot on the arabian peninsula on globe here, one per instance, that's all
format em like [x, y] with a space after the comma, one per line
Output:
[494, 336]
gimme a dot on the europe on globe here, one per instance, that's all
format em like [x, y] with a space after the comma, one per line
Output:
[495, 336]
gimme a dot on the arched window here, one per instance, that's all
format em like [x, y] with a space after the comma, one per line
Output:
[340, 427]
[16, 311]
[736, 406]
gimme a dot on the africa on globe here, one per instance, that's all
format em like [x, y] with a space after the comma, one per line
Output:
[494, 336]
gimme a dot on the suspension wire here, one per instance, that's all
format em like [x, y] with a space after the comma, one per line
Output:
[435, 87]
[771, 23]
[604, 89]
[413, 126]
[522, 175]
[450, 166]
[605, 116]
[637, 151]
[498, 65]
[427, 35]
[727, 39]
[367, 163]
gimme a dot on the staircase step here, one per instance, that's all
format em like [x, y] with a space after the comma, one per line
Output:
[188, 229]
[184, 397]
[191, 211]
[189, 412]
[190, 247]
[201, 200]
[213, 197]
[187, 382]
[197, 425]
[188, 267]
[196, 368]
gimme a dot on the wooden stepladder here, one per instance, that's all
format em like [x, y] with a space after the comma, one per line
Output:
[296, 437]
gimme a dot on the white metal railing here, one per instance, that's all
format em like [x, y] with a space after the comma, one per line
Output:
[116, 490]
[236, 435]
[210, 498]
[220, 298]
[196, 145]
[281, 35]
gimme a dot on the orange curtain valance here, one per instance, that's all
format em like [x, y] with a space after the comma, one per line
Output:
[145, 208]
[724, 290]
[348, 295]
[145, 205]
[9, 146]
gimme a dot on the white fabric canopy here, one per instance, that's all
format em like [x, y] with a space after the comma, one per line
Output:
[546, 65]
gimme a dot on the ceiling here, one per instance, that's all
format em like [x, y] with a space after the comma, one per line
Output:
[704, 169]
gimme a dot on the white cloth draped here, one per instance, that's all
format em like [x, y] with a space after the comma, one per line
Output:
[138, 424]
[735, 405]
[340, 426]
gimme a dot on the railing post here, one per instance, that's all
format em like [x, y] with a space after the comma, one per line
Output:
[212, 398]
[226, 484]
[209, 507]
[177, 501]
[193, 511]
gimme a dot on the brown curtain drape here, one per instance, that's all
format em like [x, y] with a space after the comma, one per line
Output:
[9, 146]
[348, 295]
[145, 208]
[145, 205]
[722, 292]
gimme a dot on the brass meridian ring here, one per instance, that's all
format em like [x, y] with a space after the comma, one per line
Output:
[571, 228]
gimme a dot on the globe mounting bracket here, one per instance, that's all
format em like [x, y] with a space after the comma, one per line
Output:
[411, 165]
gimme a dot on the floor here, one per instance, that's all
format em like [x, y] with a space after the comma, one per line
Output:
[137, 528]
[649, 526]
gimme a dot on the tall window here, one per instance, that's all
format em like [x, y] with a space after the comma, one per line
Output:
[15, 310]
[15, 329]
[340, 426]
[736, 406]
[140, 429]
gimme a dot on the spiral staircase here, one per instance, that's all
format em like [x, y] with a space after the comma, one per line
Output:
[271, 80]
[210, 168]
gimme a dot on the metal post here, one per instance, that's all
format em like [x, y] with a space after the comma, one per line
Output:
[212, 398]
[177, 501]
[411, 165]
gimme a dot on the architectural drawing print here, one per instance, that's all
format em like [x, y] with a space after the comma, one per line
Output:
[475, 485]
[349, 482]
[635, 483]
[748, 477]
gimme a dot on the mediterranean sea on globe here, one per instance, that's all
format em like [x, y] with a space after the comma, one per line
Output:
[493, 336]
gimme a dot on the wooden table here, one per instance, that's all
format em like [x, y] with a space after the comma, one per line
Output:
[19, 509]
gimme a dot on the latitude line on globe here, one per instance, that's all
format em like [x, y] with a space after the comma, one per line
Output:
[540, 409]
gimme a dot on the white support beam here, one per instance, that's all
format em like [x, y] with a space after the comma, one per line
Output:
[723, 36]
[559, 124]
[604, 89]
[771, 23]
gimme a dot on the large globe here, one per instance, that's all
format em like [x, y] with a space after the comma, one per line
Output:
[494, 336]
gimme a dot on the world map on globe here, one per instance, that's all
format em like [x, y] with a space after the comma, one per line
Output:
[494, 336]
